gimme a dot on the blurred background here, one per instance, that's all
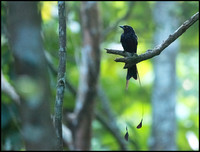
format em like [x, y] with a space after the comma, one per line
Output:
[169, 91]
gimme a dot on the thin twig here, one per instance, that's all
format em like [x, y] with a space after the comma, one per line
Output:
[132, 60]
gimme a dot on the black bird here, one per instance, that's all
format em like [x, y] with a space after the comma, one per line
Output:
[129, 43]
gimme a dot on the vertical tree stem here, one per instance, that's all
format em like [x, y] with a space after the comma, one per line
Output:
[61, 74]
[89, 75]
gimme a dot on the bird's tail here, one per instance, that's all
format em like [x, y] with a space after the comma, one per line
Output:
[132, 72]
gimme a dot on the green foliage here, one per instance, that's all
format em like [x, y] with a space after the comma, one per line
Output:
[127, 105]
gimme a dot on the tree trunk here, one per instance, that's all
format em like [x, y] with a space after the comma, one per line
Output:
[31, 79]
[163, 133]
[89, 74]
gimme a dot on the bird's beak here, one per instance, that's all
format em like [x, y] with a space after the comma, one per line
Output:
[122, 27]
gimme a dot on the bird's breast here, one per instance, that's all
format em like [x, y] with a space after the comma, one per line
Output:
[129, 42]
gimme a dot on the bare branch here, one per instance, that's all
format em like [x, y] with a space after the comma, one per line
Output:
[132, 60]
[109, 120]
[119, 52]
[67, 137]
[61, 74]
[7, 88]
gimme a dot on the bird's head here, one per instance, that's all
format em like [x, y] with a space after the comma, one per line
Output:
[127, 29]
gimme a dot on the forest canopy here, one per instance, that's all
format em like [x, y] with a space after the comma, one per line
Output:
[114, 110]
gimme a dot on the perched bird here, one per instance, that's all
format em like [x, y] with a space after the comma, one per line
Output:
[129, 43]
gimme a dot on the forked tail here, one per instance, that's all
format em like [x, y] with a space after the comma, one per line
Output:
[131, 72]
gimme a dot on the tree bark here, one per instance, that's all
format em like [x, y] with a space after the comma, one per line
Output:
[31, 78]
[61, 74]
[163, 134]
[89, 74]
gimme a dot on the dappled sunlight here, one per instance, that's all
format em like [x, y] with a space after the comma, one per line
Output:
[94, 75]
